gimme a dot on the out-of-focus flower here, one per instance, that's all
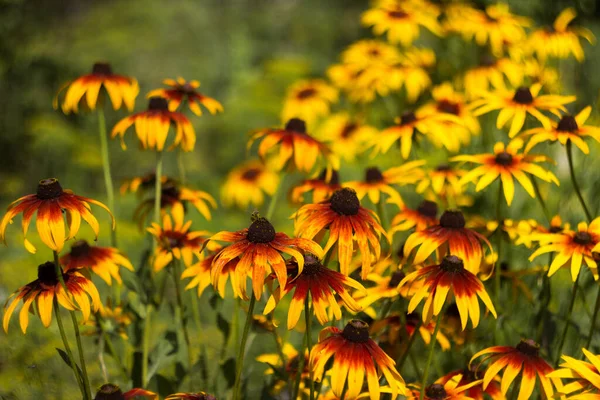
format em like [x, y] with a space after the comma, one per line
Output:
[191, 396]
[386, 287]
[110, 391]
[49, 202]
[247, 184]
[421, 218]
[322, 187]
[469, 375]
[152, 127]
[181, 90]
[444, 389]
[400, 328]
[308, 100]
[348, 222]
[103, 261]
[45, 288]
[202, 274]
[556, 226]
[110, 319]
[544, 74]
[86, 90]
[286, 372]
[492, 73]
[346, 137]
[586, 376]
[507, 165]
[365, 53]
[144, 184]
[442, 179]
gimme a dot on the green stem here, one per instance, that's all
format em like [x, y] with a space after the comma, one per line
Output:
[108, 183]
[158, 188]
[146, 345]
[563, 337]
[430, 357]
[499, 245]
[61, 328]
[538, 195]
[115, 356]
[406, 352]
[242, 350]
[198, 323]
[594, 318]
[181, 167]
[179, 312]
[274, 198]
[86, 380]
[308, 315]
[300, 369]
[574, 182]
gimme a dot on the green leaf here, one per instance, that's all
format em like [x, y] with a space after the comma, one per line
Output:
[65, 358]
[223, 326]
[228, 369]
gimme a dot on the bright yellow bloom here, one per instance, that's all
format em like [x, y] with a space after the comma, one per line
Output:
[103, 261]
[586, 376]
[247, 184]
[308, 100]
[346, 136]
[322, 187]
[492, 73]
[182, 90]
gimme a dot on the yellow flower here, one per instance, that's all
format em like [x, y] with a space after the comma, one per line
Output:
[346, 136]
[308, 100]
[247, 183]
[586, 376]
[492, 73]
[180, 90]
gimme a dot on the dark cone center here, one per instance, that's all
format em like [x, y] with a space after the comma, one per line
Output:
[170, 190]
[523, 96]
[306, 93]
[80, 248]
[47, 274]
[312, 265]
[348, 130]
[396, 279]
[448, 107]
[529, 347]
[452, 219]
[356, 331]
[158, 104]
[251, 174]
[49, 189]
[567, 124]
[504, 158]
[555, 229]
[435, 391]
[101, 68]
[296, 125]
[187, 88]
[470, 374]
[261, 231]
[373, 175]
[397, 14]
[428, 209]
[582, 238]
[109, 391]
[452, 264]
[345, 202]
[407, 118]
[443, 167]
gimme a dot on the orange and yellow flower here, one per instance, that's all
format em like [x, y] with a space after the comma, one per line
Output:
[86, 90]
[507, 165]
[492, 73]
[202, 275]
[181, 90]
[421, 218]
[152, 127]
[247, 184]
[143, 184]
[386, 287]
[110, 391]
[45, 289]
[346, 136]
[442, 179]
[454, 388]
[191, 396]
[322, 187]
[49, 202]
[471, 374]
[285, 370]
[308, 100]
[355, 355]
[585, 375]
[103, 261]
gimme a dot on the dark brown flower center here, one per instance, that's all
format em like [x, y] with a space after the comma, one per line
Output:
[555, 229]
[470, 374]
[452, 264]
[312, 265]
[529, 347]
[373, 175]
[47, 274]
[250, 174]
[443, 167]
[435, 391]
[407, 118]
[109, 391]
[348, 130]
[158, 104]
[582, 238]
[186, 88]
[523, 96]
[261, 231]
[567, 124]
[101, 68]
[306, 93]
[448, 107]
[396, 279]
[356, 331]
[173, 240]
[428, 209]
[170, 190]
[453, 219]
[80, 248]
[398, 14]
[345, 202]
[49, 189]
[296, 125]
[504, 158]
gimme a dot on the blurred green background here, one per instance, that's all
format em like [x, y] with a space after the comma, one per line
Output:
[245, 53]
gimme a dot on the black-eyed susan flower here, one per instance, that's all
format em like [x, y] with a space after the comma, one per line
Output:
[471, 374]
[450, 276]
[103, 261]
[420, 218]
[181, 90]
[560, 40]
[444, 389]
[348, 223]
[86, 90]
[191, 396]
[492, 73]
[110, 319]
[516, 104]
[110, 391]
[175, 239]
[308, 100]
[543, 73]
[355, 356]
[443, 179]
[49, 202]
[449, 237]
[321, 187]
[507, 165]
[571, 248]
[247, 184]
[556, 226]
[45, 288]
[569, 127]
[144, 184]
[585, 376]
[368, 52]
[346, 136]
[260, 250]
[522, 360]
[202, 275]
[293, 147]
[402, 20]
[152, 127]
[386, 287]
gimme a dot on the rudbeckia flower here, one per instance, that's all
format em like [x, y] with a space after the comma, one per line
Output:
[365, 53]
[347, 223]
[182, 90]
[471, 374]
[191, 396]
[49, 202]
[110, 391]
[450, 236]
[110, 319]
[45, 288]
[293, 147]
[492, 73]
[421, 218]
[346, 136]
[152, 127]
[442, 179]
[322, 187]
[522, 360]
[515, 104]
[556, 226]
[202, 275]
[247, 184]
[571, 247]
[355, 355]
[402, 20]
[444, 389]
[386, 287]
[539, 72]
[85, 90]
[174, 239]
[286, 372]
[308, 100]
[585, 375]
[259, 249]
[103, 261]
[320, 283]
[144, 184]
[450, 276]
[507, 165]
[560, 40]
[569, 127]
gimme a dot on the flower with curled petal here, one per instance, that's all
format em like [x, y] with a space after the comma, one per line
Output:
[585, 376]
